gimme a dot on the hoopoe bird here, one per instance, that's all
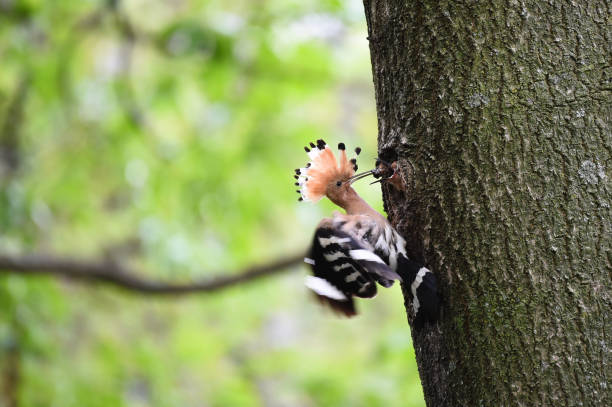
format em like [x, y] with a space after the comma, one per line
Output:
[352, 252]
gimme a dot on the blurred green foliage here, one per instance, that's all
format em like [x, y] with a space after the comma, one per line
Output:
[163, 134]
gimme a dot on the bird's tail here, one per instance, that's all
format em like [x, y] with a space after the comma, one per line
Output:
[421, 283]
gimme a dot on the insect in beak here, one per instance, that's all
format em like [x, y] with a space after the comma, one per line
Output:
[388, 172]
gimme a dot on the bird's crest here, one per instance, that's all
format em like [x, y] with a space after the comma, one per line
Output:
[322, 169]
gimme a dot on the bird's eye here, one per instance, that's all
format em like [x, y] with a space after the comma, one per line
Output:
[338, 183]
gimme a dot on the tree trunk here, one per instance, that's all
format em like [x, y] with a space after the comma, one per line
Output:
[499, 115]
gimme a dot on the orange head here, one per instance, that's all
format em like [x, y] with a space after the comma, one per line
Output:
[327, 176]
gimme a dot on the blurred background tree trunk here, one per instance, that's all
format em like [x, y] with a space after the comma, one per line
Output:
[499, 114]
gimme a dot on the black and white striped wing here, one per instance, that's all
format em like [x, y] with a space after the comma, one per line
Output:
[344, 267]
[387, 244]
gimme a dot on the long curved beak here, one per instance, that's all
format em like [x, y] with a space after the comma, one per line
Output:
[361, 175]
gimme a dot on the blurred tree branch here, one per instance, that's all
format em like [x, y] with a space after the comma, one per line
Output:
[115, 274]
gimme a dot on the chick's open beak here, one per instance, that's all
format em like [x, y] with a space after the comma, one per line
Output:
[385, 171]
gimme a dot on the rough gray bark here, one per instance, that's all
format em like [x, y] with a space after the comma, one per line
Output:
[499, 114]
